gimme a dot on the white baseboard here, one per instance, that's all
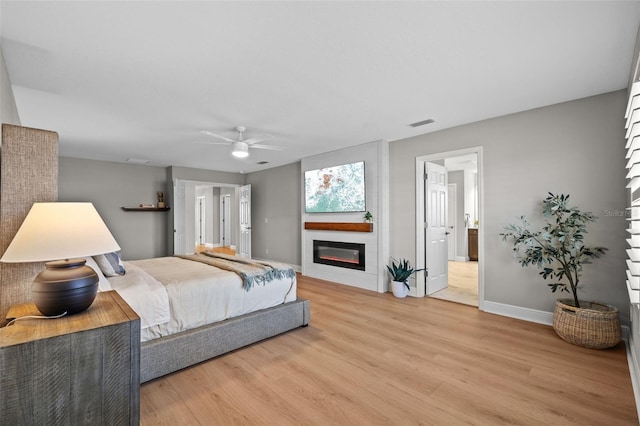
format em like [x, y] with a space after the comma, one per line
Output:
[461, 259]
[527, 314]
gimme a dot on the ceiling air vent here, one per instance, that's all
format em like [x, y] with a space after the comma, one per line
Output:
[138, 160]
[421, 123]
[262, 162]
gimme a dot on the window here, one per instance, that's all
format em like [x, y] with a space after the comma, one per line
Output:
[633, 166]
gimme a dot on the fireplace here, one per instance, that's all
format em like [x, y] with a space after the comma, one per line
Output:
[337, 253]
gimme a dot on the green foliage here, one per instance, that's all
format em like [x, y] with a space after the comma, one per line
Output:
[401, 271]
[368, 216]
[558, 248]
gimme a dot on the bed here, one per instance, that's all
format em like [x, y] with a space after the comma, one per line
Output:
[30, 174]
[193, 308]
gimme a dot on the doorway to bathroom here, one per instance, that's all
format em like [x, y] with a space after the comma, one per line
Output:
[448, 212]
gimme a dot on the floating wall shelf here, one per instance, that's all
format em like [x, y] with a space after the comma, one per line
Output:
[339, 226]
[146, 209]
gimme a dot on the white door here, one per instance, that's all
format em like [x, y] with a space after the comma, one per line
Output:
[225, 220]
[179, 226]
[200, 221]
[451, 221]
[436, 227]
[244, 246]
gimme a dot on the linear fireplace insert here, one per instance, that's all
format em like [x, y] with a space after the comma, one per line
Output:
[338, 253]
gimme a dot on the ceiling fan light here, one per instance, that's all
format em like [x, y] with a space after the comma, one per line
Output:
[240, 149]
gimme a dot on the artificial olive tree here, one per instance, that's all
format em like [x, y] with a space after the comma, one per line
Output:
[558, 248]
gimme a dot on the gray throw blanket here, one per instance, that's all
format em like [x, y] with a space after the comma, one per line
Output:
[251, 271]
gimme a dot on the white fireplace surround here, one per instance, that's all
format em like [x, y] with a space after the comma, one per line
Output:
[374, 277]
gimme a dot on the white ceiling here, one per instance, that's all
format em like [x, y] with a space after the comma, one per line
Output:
[127, 79]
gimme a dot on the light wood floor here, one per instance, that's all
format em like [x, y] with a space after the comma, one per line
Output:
[224, 249]
[463, 284]
[373, 359]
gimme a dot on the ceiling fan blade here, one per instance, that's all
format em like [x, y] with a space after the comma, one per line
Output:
[252, 141]
[211, 143]
[215, 135]
[271, 147]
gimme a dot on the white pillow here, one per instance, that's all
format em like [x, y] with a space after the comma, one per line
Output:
[103, 283]
[110, 264]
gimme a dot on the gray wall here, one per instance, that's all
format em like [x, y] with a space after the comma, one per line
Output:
[202, 175]
[575, 148]
[275, 195]
[110, 186]
[276, 200]
[8, 109]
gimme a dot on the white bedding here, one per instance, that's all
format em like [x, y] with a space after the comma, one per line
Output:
[146, 295]
[195, 294]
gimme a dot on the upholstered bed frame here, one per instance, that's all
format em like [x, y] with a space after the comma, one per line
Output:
[29, 174]
[165, 355]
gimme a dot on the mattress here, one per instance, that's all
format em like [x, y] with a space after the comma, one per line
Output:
[195, 294]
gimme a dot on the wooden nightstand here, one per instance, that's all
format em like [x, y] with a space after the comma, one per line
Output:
[81, 369]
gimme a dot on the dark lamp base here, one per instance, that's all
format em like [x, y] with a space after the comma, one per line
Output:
[65, 286]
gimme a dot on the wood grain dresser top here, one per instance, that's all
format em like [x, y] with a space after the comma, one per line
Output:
[108, 309]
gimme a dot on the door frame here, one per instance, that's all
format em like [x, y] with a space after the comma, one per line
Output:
[182, 218]
[453, 230]
[225, 220]
[201, 220]
[243, 246]
[419, 290]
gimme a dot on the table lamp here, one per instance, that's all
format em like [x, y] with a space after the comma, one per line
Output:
[61, 234]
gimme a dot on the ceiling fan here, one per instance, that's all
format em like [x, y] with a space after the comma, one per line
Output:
[240, 147]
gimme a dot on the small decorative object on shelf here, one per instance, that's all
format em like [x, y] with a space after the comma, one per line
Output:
[160, 200]
[368, 217]
[147, 206]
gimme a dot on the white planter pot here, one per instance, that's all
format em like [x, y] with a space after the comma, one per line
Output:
[399, 289]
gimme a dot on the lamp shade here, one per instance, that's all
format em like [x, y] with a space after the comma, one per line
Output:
[53, 231]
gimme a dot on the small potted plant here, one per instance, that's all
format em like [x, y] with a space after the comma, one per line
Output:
[368, 217]
[558, 249]
[400, 274]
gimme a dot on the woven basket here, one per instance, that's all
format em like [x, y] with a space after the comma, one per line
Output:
[594, 325]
